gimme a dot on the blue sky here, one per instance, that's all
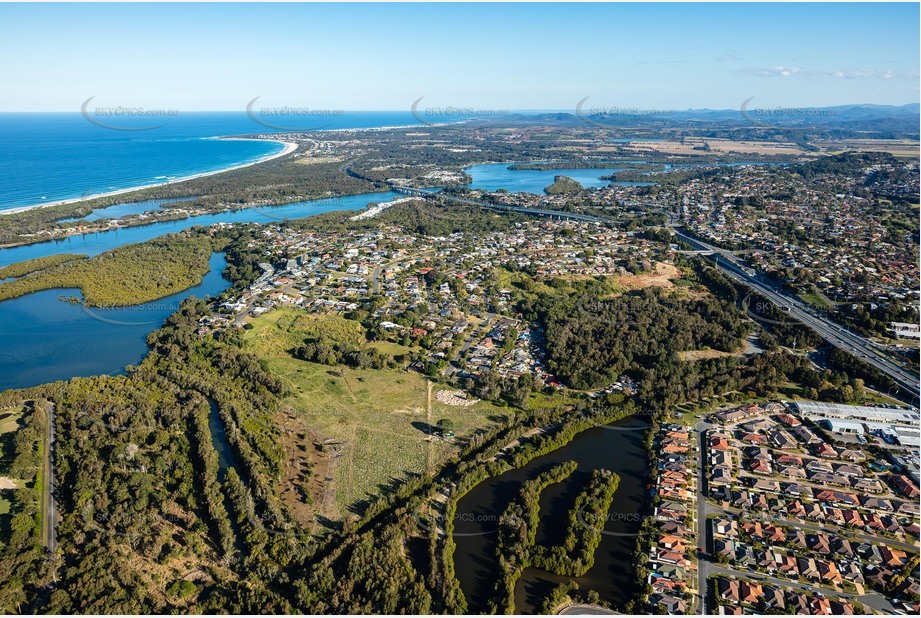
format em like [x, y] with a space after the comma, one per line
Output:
[481, 56]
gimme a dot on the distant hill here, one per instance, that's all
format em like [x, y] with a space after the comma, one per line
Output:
[864, 120]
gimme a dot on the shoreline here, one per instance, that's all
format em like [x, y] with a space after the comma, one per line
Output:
[289, 147]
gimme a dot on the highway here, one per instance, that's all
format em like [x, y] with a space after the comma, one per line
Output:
[836, 335]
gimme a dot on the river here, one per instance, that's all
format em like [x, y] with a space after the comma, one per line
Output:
[618, 447]
[495, 176]
[47, 339]
[43, 339]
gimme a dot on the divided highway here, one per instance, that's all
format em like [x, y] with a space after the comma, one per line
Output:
[836, 335]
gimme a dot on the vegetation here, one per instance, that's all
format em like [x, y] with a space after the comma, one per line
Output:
[583, 532]
[591, 340]
[563, 185]
[518, 530]
[29, 266]
[21, 551]
[579, 165]
[380, 417]
[517, 548]
[129, 275]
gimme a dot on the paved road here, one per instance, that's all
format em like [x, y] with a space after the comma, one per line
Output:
[873, 599]
[704, 564]
[707, 568]
[49, 508]
[838, 336]
[817, 527]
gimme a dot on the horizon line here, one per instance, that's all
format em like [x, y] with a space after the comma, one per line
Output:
[474, 112]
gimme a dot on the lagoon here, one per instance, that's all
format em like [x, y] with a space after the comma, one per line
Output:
[45, 339]
[495, 176]
[98, 242]
[617, 447]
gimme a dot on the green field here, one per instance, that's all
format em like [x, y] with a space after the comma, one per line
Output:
[814, 299]
[9, 419]
[9, 422]
[381, 416]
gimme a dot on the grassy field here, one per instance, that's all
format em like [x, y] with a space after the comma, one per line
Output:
[815, 300]
[897, 147]
[9, 419]
[9, 422]
[524, 286]
[384, 418]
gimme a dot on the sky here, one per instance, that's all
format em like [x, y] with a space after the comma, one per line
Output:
[479, 56]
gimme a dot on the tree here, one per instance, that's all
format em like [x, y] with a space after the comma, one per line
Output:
[446, 425]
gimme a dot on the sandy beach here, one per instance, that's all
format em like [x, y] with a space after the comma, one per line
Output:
[288, 149]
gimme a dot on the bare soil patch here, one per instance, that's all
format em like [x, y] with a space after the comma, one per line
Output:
[661, 277]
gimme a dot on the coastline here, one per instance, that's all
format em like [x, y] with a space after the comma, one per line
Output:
[289, 147]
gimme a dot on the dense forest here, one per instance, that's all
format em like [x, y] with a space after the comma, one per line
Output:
[29, 266]
[129, 275]
[592, 340]
[563, 185]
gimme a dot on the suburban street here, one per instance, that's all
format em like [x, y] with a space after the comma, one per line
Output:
[704, 564]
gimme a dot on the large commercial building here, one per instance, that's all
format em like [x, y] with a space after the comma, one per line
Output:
[863, 414]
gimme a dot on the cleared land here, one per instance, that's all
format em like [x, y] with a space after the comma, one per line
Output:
[9, 422]
[896, 147]
[364, 428]
[707, 146]
[661, 277]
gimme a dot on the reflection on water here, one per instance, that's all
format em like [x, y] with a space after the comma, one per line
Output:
[612, 574]
[495, 176]
[45, 338]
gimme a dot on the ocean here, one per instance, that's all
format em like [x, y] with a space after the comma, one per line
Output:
[55, 156]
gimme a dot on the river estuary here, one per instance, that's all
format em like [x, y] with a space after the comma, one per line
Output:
[43, 339]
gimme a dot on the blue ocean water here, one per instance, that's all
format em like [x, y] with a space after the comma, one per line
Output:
[54, 156]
